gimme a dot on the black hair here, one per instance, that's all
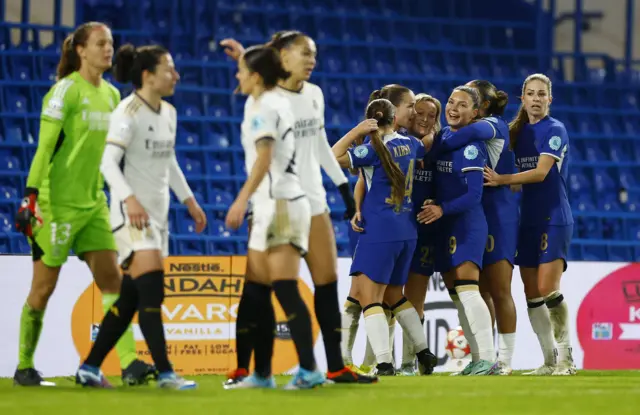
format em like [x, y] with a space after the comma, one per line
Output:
[130, 62]
[265, 60]
[497, 100]
[284, 39]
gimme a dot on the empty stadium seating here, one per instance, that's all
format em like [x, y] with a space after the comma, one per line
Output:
[430, 46]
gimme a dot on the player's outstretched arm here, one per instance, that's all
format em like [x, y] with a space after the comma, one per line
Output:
[537, 175]
[478, 131]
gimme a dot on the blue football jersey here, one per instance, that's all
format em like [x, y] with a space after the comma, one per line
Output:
[500, 203]
[546, 202]
[383, 222]
[450, 181]
[423, 182]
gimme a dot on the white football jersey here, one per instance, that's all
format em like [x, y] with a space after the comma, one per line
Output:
[270, 117]
[312, 147]
[148, 140]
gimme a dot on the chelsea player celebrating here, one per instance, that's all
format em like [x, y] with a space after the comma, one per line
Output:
[541, 146]
[463, 229]
[385, 248]
[501, 211]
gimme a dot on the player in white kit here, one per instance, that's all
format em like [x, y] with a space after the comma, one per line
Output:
[298, 54]
[281, 215]
[142, 130]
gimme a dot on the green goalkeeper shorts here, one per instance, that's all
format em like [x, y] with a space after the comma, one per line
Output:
[65, 229]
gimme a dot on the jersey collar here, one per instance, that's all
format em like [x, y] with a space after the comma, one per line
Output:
[389, 137]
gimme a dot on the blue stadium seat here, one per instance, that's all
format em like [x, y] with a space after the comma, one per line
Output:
[220, 198]
[9, 164]
[190, 166]
[190, 247]
[603, 181]
[6, 225]
[5, 242]
[595, 253]
[20, 245]
[187, 138]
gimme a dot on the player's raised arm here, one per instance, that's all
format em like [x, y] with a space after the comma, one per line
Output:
[340, 149]
[552, 151]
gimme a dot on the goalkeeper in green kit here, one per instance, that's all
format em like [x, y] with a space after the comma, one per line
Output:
[64, 205]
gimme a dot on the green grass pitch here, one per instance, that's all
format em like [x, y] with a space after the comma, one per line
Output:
[590, 392]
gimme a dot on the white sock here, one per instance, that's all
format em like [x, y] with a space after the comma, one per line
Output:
[408, 351]
[377, 328]
[479, 320]
[369, 356]
[350, 323]
[464, 323]
[559, 315]
[506, 345]
[391, 321]
[410, 322]
[541, 324]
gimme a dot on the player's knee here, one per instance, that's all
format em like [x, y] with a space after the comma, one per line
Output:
[546, 287]
[393, 294]
[500, 291]
[108, 281]
[324, 277]
[150, 290]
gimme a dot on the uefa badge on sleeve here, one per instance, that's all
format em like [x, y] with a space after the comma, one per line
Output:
[471, 152]
[257, 123]
[555, 142]
[361, 151]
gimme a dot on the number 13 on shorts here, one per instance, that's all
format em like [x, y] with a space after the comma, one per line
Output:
[60, 233]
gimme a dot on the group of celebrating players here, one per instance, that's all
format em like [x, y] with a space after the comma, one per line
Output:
[443, 201]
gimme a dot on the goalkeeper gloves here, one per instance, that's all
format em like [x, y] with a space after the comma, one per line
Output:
[27, 216]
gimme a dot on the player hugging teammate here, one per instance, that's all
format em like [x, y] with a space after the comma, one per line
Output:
[478, 224]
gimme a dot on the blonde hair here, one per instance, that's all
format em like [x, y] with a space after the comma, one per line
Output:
[422, 97]
[522, 117]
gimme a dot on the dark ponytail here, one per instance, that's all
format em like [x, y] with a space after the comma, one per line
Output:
[123, 66]
[500, 103]
[70, 60]
[497, 100]
[130, 63]
[265, 61]
[384, 112]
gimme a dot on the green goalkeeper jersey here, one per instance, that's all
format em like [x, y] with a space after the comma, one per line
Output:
[73, 134]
